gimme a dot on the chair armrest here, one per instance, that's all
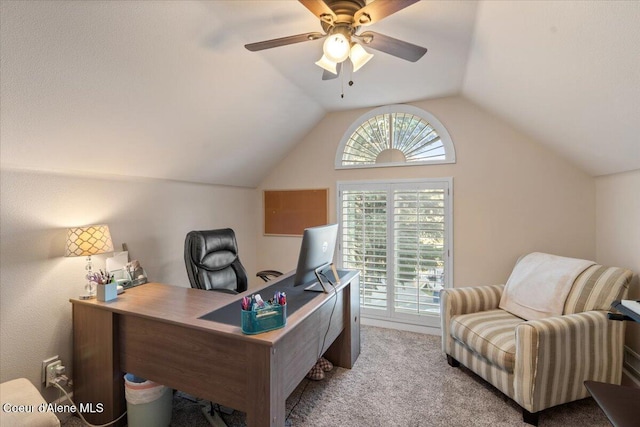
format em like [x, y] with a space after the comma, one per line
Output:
[267, 275]
[463, 301]
[469, 300]
[554, 356]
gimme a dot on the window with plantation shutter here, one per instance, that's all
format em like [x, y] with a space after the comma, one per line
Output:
[398, 234]
[364, 243]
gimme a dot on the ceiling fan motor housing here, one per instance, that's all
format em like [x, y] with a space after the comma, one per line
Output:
[344, 10]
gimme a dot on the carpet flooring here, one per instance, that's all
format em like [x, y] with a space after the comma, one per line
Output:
[400, 379]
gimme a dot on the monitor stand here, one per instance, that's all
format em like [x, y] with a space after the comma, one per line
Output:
[319, 286]
[316, 287]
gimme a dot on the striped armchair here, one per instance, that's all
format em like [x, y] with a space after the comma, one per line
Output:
[538, 363]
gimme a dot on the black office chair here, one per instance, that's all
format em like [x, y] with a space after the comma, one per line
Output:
[212, 262]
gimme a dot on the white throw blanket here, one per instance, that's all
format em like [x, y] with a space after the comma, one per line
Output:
[539, 285]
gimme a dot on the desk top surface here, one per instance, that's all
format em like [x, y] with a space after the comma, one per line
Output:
[185, 306]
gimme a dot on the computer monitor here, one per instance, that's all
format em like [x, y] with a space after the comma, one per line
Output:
[316, 256]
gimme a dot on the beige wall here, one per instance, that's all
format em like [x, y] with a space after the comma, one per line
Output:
[618, 232]
[151, 216]
[511, 195]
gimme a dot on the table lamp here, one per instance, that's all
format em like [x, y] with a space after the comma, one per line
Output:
[87, 241]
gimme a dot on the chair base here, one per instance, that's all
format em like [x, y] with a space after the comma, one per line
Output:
[452, 362]
[530, 418]
[213, 417]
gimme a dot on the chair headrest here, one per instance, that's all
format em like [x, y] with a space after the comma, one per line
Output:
[213, 249]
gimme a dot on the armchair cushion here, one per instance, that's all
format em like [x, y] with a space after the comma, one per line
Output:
[458, 301]
[490, 334]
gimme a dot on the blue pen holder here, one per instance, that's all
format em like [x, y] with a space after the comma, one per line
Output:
[264, 319]
[107, 292]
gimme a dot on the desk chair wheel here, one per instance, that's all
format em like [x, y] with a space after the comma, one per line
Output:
[212, 414]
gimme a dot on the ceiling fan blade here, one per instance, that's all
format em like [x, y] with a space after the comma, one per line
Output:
[379, 9]
[328, 75]
[395, 47]
[283, 41]
[320, 9]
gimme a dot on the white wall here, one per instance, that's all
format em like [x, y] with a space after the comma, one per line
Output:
[511, 195]
[618, 232]
[151, 216]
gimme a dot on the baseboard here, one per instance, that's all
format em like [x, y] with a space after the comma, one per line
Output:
[400, 326]
[631, 365]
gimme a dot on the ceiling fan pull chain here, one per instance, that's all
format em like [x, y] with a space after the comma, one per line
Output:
[350, 76]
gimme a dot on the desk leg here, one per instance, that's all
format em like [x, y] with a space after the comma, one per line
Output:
[266, 388]
[346, 348]
[98, 383]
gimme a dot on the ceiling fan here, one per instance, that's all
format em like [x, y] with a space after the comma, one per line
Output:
[341, 20]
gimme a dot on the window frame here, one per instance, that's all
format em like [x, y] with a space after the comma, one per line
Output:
[390, 314]
[445, 138]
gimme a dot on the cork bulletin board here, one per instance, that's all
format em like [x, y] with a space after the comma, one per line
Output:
[289, 212]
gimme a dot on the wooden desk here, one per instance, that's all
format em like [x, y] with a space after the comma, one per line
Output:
[154, 332]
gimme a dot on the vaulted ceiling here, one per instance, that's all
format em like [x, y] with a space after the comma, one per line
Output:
[167, 90]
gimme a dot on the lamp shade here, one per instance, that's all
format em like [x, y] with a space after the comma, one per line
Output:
[359, 56]
[89, 240]
[327, 64]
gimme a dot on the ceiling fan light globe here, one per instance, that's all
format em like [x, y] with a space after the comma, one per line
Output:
[327, 64]
[336, 47]
[359, 56]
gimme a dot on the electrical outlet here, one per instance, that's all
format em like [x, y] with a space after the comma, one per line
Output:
[46, 363]
[51, 372]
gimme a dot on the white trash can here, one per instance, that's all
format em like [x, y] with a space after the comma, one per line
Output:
[148, 404]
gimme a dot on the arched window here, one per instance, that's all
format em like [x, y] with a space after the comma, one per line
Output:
[395, 135]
